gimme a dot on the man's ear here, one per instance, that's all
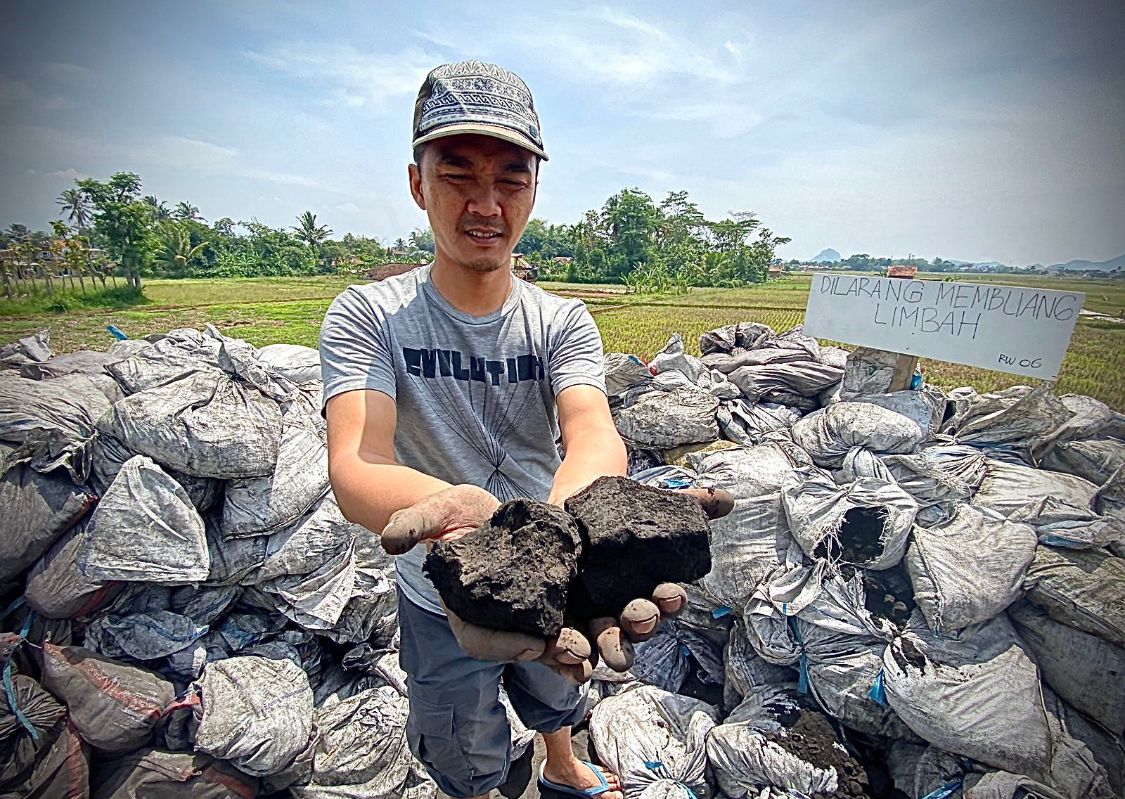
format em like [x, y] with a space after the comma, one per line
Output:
[415, 176]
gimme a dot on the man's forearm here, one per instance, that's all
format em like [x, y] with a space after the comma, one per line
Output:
[589, 457]
[369, 491]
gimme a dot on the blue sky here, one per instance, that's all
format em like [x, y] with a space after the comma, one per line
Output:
[970, 130]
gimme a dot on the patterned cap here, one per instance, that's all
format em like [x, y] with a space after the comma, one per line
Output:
[473, 97]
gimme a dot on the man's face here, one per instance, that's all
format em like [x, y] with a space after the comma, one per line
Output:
[478, 193]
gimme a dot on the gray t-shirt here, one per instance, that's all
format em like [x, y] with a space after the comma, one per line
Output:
[475, 395]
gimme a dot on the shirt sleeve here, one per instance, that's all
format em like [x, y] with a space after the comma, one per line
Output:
[576, 356]
[354, 349]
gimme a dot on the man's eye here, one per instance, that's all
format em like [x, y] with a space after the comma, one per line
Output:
[514, 184]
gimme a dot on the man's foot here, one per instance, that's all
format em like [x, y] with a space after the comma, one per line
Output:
[580, 778]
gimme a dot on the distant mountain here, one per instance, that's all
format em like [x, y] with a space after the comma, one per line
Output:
[828, 256]
[1081, 266]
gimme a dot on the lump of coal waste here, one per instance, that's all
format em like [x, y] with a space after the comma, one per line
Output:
[860, 539]
[889, 594]
[812, 739]
[633, 539]
[512, 573]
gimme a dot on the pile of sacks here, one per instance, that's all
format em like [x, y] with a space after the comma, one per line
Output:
[917, 594]
[938, 575]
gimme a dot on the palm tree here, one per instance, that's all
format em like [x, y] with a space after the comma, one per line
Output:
[76, 206]
[158, 208]
[186, 212]
[177, 251]
[308, 231]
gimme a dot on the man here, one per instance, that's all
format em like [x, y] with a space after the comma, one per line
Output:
[445, 391]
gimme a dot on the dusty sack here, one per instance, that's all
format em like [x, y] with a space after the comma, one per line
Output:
[38, 509]
[829, 433]
[145, 529]
[205, 425]
[115, 706]
[654, 741]
[1082, 588]
[662, 420]
[968, 569]
[867, 522]
[975, 693]
[1078, 666]
[254, 712]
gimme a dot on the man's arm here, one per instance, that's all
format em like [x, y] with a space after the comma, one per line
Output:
[368, 483]
[592, 446]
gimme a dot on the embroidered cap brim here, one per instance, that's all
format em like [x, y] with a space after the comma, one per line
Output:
[495, 131]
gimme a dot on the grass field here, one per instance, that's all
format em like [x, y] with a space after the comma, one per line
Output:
[271, 310]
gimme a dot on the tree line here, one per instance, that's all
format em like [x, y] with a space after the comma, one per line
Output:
[111, 227]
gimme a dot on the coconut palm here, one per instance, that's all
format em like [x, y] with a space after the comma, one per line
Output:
[186, 212]
[308, 231]
[158, 208]
[76, 206]
[176, 249]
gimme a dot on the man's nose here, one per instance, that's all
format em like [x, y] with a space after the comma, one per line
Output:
[485, 200]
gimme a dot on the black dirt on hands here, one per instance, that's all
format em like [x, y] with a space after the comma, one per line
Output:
[634, 538]
[513, 573]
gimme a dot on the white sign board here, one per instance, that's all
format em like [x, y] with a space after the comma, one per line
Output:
[1008, 328]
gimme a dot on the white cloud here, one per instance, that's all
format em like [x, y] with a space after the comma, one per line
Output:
[347, 208]
[620, 50]
[70, 174]
[14, 91]
[351, 77]
[620, 19]
[67, 72]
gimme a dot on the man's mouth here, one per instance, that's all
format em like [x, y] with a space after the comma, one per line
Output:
[483, 235]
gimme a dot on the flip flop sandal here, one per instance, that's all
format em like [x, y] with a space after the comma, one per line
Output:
[570, 790]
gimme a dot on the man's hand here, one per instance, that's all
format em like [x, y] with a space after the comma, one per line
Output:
[446, 515]
[613, 638]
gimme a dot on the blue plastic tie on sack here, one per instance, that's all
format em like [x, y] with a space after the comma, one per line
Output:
[116, 332]
[916, 382]
[803, 680]
[653, 765]
[945, 791]
[878, 692]
[721, 611]
[678, 482]
[10, 688]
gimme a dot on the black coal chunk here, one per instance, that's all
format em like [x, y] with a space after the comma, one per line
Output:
[634, 538]
[512, 573]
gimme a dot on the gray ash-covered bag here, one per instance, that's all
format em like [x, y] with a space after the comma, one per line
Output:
[867, 522]
[828, 434]
[51, 423]
[1082, 588]
[115, 706]
[38, 509]
[362, 750]
[654, 741]
[261, 505]
[205, 425]
[24, 748]
[254, 712]
[663, 420]
[1077, 665]
[58, 589]
[968, 569]
[974, 693]
[145, 529]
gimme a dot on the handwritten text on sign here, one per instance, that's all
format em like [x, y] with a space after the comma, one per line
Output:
[1007, 328]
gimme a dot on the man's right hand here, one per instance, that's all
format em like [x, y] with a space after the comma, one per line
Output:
[444, 516]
